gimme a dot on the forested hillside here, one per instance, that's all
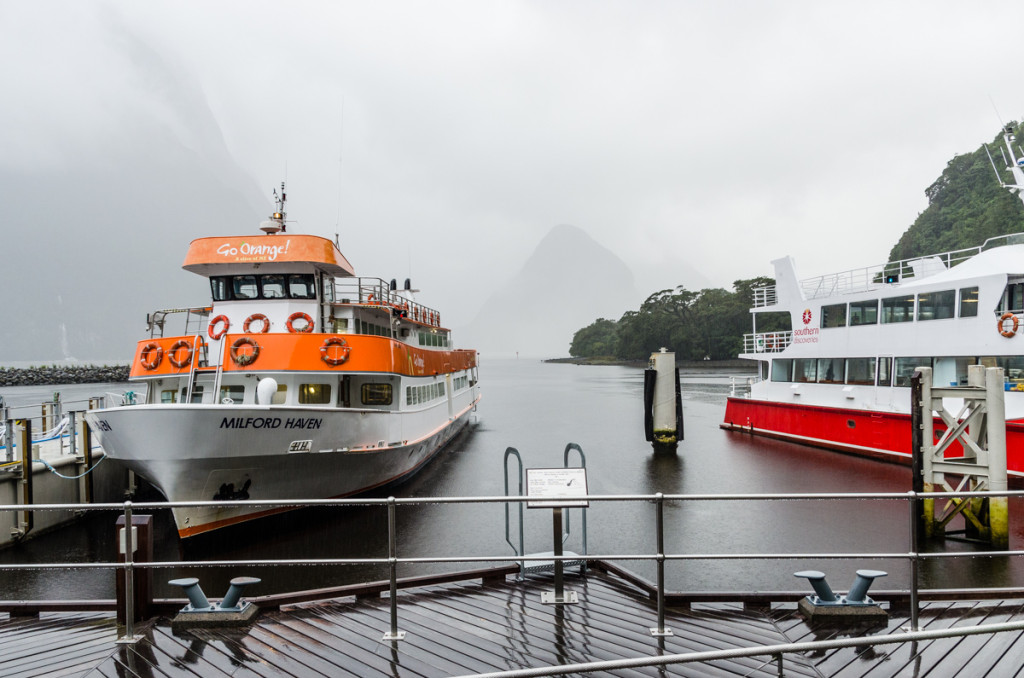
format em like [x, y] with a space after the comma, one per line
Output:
[966, 205]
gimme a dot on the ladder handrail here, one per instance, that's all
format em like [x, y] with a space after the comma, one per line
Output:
[509, 451]
[583, 511]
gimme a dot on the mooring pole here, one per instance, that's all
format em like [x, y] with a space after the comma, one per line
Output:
[26, 477]
[998, 507]
[915, 521]
[917, 449]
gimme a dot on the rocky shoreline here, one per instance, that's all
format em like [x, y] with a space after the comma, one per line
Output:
[709, 365]
[63, 374]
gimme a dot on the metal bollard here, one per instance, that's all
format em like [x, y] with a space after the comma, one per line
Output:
[820, 586]
[231, 598]
[858, 592]
[196, 597]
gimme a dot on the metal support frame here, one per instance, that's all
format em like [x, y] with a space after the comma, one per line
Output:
[980, 429]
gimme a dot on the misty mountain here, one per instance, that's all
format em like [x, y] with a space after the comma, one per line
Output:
[568, 282]
[96, 225]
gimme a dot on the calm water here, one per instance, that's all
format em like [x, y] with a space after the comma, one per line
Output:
[538, 408]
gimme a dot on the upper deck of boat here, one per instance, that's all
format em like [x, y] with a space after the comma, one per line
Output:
[467, 627]
[889, 274]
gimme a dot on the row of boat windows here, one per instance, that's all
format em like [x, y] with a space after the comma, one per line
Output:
[901, 309]
[416, 395]
[887, 371]
[269, 286]
[320, 394]
[434, 339]
[341, 326]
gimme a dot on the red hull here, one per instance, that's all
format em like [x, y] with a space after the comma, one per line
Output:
[883, 435]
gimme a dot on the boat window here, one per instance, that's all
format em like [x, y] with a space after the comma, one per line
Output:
[273, 286]
[898, 309]
[301, 286]
[860, 371]
[884, 370]
[936, 305]
[234, 394]
[314, 394]
[220, 287]
[244, 287]
[197, 394]
[905, 369]
[764, 375]
[830, 371]
[782, 370]
[167, 397]
[1013, 367]
[833, 315]
[340, 325]
[968, 302]
[805, 369]
[281, 397]
[1013, 298]
[376, 394]
[864, 312]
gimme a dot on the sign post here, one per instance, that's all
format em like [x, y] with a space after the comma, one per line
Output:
[557, 489]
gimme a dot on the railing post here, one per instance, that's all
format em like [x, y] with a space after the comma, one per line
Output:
[659, 502]
[393, 633]
[129, 579]
[914, 541]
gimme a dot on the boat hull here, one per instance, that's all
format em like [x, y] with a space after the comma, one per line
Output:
[880, 435]
[225, 453]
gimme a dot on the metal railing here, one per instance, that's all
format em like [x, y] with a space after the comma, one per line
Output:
[912, 555]
[377, 292]
[876, 276]
[767, 342]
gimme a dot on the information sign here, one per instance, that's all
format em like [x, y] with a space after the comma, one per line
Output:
[556, 487]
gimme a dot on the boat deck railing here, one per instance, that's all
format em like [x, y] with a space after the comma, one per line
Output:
[882, 275]
[192, 323]
[378, 293]
[767, 342]
[913, 555]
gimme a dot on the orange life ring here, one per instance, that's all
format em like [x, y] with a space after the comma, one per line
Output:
[297, 316]
[342, 355]
[172, 355]
[253, 318]
[212, 329]
[243, 359]
[151, 356]
[1002, 324]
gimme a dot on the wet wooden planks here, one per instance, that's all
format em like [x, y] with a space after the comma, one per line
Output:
[466, 628]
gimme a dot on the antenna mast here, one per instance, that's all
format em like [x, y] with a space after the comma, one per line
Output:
[1015, 164]
[276, 223]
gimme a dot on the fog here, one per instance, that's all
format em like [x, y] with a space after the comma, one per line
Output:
[442, 141]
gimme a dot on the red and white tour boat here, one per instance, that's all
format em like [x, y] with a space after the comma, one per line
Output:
[300, 381]
[840, 379]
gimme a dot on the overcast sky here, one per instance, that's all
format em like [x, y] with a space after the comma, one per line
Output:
[697, 140]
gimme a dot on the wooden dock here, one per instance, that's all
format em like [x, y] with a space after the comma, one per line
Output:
[468, 628]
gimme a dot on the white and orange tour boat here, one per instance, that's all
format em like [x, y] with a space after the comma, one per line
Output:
[300, 381]
[840, 379]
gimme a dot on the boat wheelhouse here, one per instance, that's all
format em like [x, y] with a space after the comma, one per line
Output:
[300, 380]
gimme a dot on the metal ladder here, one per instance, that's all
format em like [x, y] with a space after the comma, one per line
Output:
[540, 566]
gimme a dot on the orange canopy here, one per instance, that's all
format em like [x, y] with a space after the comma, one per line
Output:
[245, 249]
